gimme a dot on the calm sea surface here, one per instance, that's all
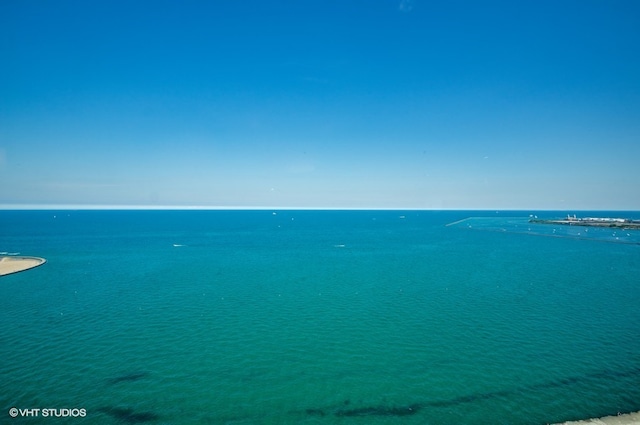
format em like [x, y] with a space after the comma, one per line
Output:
[315, 317]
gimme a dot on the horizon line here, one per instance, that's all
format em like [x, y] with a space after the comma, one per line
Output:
[133, 207]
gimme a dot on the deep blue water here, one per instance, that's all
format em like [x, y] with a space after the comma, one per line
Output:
[316, 317]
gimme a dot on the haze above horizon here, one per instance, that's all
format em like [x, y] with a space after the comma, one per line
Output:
[320, 104]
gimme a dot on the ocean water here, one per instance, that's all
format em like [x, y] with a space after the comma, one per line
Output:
[314, 317]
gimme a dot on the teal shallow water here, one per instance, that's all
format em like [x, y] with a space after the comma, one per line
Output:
[250, 317]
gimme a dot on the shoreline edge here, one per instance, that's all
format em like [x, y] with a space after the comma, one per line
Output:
[16, 264]
[632, 418]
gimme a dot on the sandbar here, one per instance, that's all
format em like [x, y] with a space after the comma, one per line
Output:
[9, 265]
[626, 419]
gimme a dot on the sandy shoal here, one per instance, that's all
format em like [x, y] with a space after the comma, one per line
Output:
[627, 419]
[10, 265]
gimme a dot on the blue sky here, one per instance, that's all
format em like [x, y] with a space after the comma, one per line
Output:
[309, 103]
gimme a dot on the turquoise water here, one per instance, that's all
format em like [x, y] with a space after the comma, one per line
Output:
[314, 317]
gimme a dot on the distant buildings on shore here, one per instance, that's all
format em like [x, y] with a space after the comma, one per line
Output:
[624, 223]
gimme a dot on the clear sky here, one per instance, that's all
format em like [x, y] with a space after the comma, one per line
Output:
[321, 103]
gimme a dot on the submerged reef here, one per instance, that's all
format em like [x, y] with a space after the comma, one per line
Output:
[380, 410]
[129, 377]
[414, 408]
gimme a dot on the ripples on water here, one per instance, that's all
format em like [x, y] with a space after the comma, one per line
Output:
[254, 318]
